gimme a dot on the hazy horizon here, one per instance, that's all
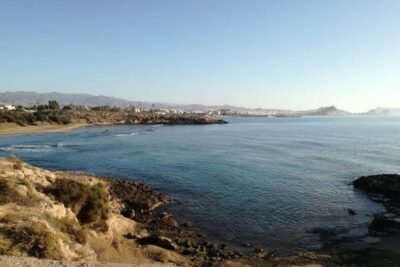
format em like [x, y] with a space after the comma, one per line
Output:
[259, 54]
[184, 104]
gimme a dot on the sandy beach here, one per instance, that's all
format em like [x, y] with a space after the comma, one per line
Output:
[14, 129]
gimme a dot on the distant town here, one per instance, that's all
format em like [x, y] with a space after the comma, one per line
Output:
[32, 101]
[156, 111]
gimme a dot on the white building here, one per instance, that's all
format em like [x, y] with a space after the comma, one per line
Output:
[7, 107]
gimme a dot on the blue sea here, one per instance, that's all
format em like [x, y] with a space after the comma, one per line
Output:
[266, 181]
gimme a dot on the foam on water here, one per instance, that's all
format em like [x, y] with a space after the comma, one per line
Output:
[27, 148]
[130, 134]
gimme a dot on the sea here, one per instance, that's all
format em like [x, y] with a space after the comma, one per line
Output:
[266, 181]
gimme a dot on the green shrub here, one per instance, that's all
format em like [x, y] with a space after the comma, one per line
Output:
[96, 205]
[89, 203]
[60, 118]
[72, 194]
[53, 104]
[23, 118]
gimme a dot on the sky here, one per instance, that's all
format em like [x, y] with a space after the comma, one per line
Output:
[252, 53]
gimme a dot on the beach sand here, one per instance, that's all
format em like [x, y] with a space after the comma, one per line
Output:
[14, 129]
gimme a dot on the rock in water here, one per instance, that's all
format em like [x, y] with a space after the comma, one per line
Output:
[351, 212]
[387, 184]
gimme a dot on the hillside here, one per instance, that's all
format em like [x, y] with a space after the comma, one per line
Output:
[32, 98]
[326, 111]
[384, 111]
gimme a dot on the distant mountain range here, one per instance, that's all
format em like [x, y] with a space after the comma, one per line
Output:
[32, 98]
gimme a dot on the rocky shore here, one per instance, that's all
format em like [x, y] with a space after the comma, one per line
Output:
[71, 217]
[83, 220]
[384, 189]
[173, 120]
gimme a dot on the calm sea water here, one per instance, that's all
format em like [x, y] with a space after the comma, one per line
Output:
[260, 180]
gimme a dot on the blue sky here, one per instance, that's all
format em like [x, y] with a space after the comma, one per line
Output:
[254, 53]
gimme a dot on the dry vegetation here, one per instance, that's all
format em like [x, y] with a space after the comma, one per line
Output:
[67, 216]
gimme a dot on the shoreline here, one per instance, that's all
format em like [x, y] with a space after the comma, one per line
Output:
[9, 130]
[137, 224]
[15, 129]
[136, 229]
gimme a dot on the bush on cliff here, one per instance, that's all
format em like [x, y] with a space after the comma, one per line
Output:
[96, 207]
[89, 203]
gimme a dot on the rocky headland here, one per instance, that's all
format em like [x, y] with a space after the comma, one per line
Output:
[23, 122]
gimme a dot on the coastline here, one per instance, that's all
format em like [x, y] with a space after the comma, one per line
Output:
[136, 230]
[13, 129]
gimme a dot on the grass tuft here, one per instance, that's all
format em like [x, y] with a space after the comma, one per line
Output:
[17, 163]
[34, 240]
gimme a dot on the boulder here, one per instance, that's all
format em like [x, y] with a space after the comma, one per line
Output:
[384, 225]
[387, 184]
[160, 241]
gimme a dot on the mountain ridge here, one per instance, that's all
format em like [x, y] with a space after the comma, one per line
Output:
[30, 98]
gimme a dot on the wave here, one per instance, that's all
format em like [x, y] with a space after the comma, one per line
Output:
[29, 148]
[39, 147]
[128, 134]
[148, 129]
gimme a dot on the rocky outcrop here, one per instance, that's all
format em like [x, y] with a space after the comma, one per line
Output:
[136, 197]
[386, 184]
[385, 189]
[173, 120]
[37, 221]
[160, 241]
